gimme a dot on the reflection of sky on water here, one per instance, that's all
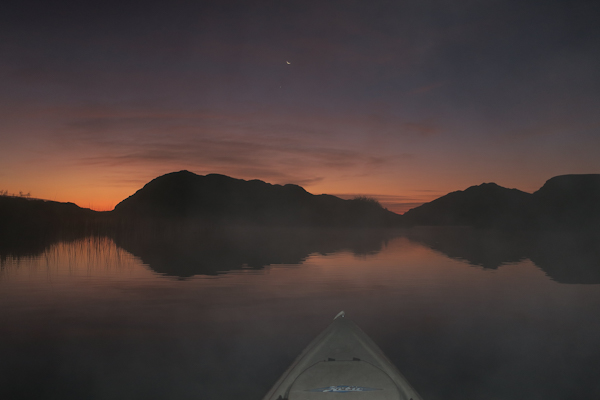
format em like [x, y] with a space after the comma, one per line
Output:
[87, 319]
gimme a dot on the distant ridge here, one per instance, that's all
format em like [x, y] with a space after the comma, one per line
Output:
[185, 198]
[566, 201]
[19, 211]
[221, 199]
[24, 221]
[484, 205]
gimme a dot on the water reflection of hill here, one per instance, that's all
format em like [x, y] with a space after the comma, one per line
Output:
[221, 249]
[565, 256]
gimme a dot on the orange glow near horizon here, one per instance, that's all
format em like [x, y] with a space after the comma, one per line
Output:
[105, 197]
[102, 190]
[381, 99]
[97, 157]
[324, 154]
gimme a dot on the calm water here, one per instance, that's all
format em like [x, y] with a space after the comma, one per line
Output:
[463, 314]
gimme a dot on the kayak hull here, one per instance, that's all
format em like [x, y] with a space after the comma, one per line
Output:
[342, 363]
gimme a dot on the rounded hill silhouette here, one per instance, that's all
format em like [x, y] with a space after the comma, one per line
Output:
[564, 202]
[484, 205]
[217, 198]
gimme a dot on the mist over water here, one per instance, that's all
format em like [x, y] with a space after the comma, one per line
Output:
[463, 314]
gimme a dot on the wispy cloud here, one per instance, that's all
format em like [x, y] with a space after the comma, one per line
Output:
[253, 151]
[427, 88]
[421, 128]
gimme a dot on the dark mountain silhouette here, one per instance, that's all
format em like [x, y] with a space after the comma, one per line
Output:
[185, 196]
[569, 201]
[46, 212]
[564, 202]
[233, 224]
[190, 200]
[481, 206]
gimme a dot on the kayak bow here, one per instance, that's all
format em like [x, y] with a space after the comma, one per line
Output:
[340, 361]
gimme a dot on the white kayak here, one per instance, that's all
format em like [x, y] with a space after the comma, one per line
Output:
[342, 363]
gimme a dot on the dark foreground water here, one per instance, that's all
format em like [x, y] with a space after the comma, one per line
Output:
[463, 314]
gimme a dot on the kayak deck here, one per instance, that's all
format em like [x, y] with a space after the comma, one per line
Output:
[342, 363]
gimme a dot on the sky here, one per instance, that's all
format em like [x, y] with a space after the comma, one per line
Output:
[403, 101]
